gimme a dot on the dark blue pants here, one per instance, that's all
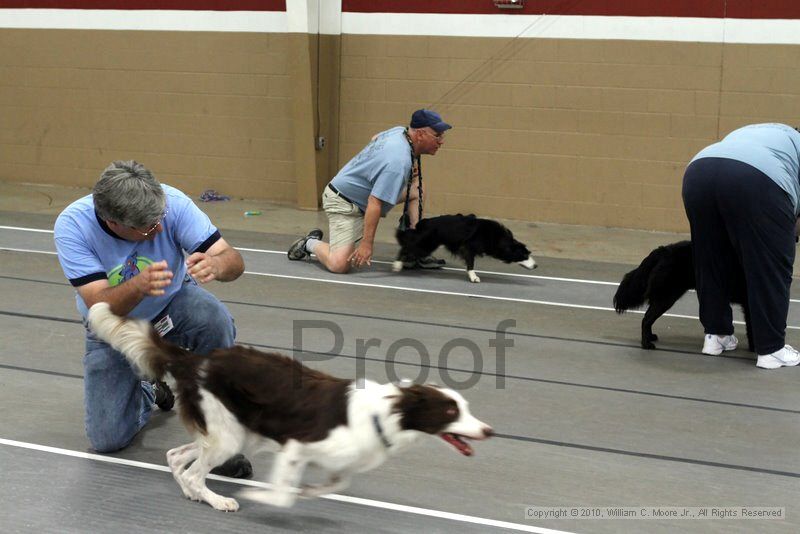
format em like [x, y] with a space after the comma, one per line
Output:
[739, 217]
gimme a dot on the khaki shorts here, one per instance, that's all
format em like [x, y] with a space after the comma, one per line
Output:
[345, 220]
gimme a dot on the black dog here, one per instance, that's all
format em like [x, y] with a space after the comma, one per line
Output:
[660, 280]
[465, 236]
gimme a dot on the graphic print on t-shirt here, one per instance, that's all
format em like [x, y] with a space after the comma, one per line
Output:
[133, 265]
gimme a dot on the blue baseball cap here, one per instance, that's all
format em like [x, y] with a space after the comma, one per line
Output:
[425, 118]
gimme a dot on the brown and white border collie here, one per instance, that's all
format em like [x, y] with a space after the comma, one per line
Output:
[243, 400]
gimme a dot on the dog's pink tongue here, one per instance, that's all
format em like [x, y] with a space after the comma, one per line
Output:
[459, 444]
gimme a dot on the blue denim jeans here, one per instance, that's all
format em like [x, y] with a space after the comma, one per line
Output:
[117, 401]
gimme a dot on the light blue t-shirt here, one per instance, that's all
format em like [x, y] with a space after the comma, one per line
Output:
[772, 148]
[88, 250]
[381, 169]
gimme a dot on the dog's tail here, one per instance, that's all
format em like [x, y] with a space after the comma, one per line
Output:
[632, 291]
[136, 339]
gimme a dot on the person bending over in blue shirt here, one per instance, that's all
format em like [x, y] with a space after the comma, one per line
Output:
[741, 198]
[124, 244]
[385, 173]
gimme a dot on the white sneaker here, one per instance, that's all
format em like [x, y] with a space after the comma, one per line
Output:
[786, 357]
[714, 345]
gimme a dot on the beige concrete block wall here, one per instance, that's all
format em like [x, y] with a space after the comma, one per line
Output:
[568, 131]
[553, 130]
[201, 109]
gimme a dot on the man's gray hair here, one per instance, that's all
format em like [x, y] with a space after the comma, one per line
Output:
[128, 193]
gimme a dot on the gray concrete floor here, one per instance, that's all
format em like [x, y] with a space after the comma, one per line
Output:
[585, 418]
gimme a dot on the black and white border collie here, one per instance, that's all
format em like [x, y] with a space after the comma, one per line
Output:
[243, 400]
[466, 236]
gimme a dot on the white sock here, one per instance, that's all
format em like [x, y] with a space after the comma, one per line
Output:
[311, 244]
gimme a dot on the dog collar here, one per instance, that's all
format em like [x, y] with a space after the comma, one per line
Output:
[379, 429]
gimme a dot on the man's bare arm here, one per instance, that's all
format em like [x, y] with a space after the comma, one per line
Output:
[220, 262]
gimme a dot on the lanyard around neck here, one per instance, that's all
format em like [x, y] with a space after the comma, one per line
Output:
[416, 161]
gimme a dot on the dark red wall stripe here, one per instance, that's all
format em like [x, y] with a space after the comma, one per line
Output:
[753, 9]
[764, 9]
[187, 5]
[757, 9]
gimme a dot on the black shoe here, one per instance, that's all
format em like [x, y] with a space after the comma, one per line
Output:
[237, 466]
[165, 400]
[298, 249]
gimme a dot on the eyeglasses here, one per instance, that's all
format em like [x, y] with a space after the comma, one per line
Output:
[438, 136]
[153, 228]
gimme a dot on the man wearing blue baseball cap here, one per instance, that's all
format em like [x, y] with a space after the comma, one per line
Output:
[384, 174]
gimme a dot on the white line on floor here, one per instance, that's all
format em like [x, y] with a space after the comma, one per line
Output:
[268, 251]
[433, 291]
[28, 250]
[474, 295]
[437, 292]
[462, 269]
[21, 229]
[333, 497]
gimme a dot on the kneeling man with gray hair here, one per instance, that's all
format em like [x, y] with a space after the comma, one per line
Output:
[124, 244]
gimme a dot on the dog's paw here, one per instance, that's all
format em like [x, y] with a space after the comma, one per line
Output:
[397, 266]
[648, 345]
[224, 504]
[530, 263]
[281, 499]
[474, 278]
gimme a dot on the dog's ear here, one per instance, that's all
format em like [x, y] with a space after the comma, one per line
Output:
[403, 384]
[412, 398]
[425, 409]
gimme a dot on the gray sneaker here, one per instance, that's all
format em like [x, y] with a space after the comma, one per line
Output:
[298, 249]
[429, 262]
